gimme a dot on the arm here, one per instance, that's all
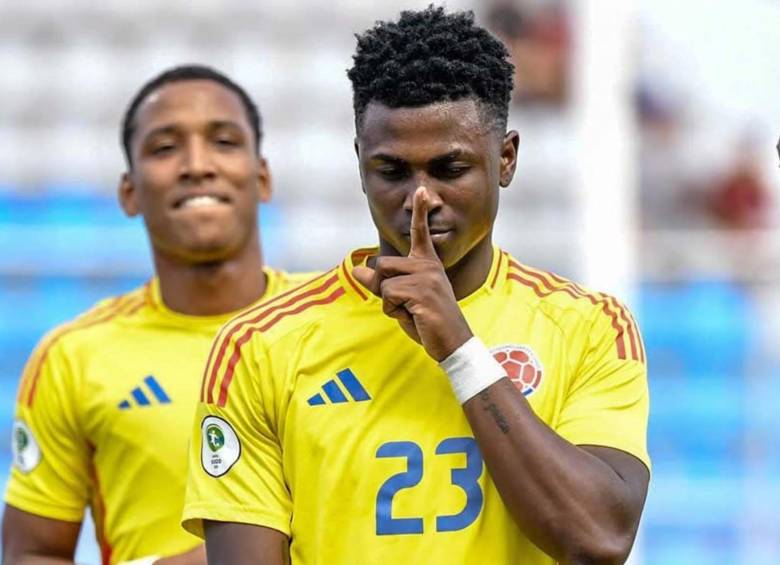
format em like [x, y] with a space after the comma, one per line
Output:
[31, 539]
[579, 504]
[48, 486]
[239, 544]
[237, 499]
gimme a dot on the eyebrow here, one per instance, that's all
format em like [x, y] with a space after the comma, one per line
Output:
[388, 158]
[173, 128]
[451, 156]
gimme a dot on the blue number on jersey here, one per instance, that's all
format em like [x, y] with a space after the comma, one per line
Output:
[385, 523]
[466, 478]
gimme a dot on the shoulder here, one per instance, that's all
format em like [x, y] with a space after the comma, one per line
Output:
[273, 327]
[57, 351]
[295, 309]
[97, 319]
[563, 299]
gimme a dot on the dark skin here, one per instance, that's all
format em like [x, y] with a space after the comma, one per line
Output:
[431, 175]
[193, 139]
[580, 504]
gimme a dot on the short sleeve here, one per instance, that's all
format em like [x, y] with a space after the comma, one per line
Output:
[235, 471]
[51, 457]
[608, 401]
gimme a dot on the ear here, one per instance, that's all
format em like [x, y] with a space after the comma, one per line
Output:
[509, 157]
[128, 199]
[264, 184]
[360, 169]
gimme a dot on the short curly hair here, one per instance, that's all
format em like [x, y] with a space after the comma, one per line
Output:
[179, 74]
[431, 56]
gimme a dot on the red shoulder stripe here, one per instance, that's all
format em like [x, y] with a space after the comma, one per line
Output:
[501, 258]
[575, 292]
[266, 309]
[638, 338]
[120, 305]
[100, 514]
[40, 354]
[352, 283]
[633, 328]
[629, 326]
[567, 288]
[223, 389]
[210, 377]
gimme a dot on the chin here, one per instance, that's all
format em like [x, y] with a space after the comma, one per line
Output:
[209, 251]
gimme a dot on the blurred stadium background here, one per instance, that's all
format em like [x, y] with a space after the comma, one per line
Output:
[647, 167]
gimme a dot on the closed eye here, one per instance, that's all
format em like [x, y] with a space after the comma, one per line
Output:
[450, 171]
[391, 173]
[227, 142]
[163, 148]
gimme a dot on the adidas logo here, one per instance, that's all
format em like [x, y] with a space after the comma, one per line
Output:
[140, 397]
[336, 395]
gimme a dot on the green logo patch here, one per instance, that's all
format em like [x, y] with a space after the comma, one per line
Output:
[220, 448]
[214, 437]
[25, 450]
[22, 440]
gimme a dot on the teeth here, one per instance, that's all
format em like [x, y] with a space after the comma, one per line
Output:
[197, 201]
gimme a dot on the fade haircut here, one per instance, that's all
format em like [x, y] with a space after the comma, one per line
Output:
[430, 56]
[179, 74]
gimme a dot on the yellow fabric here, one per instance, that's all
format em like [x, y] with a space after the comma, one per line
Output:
[316, 463]
[99, 446]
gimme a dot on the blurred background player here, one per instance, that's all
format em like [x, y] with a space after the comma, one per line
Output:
[325, 423]
[105, 403]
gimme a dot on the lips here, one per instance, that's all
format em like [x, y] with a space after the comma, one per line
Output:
[436, 230]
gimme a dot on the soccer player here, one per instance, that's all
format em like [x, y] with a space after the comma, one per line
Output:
[432, 400]
[105, 403]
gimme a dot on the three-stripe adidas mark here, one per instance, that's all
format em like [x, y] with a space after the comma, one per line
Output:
[140, 397]
[335, 394]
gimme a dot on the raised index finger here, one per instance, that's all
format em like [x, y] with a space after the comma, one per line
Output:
[422, 245]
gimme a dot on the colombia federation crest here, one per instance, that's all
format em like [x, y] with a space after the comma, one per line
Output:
[522, 366]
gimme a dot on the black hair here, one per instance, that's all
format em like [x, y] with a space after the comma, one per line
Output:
[182, 73]
[430, 56]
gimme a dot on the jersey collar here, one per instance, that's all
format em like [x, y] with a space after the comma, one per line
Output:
[358, 257]
[155, 302]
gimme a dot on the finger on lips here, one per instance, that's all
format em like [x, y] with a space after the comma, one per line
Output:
[421, 247]
[421, 244]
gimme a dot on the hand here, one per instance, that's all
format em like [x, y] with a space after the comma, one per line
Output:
[195, 556]
[415, 289]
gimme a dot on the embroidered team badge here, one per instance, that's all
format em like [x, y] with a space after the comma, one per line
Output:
[522, 366]
[220, 448]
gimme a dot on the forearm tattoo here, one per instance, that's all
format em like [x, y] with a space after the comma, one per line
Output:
[495, 411]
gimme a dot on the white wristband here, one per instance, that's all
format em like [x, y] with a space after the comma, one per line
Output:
[471, 369]
[149, 560]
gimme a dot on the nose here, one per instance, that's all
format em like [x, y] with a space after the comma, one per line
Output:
[435, 201]
[197, 164]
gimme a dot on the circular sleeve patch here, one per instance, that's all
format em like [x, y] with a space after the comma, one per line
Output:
[219, 446]
[24, 447]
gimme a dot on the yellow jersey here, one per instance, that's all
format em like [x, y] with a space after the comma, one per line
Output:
[320, 418]
[103, 419]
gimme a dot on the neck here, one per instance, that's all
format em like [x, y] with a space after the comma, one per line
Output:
[211, 288]
[470, 273]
